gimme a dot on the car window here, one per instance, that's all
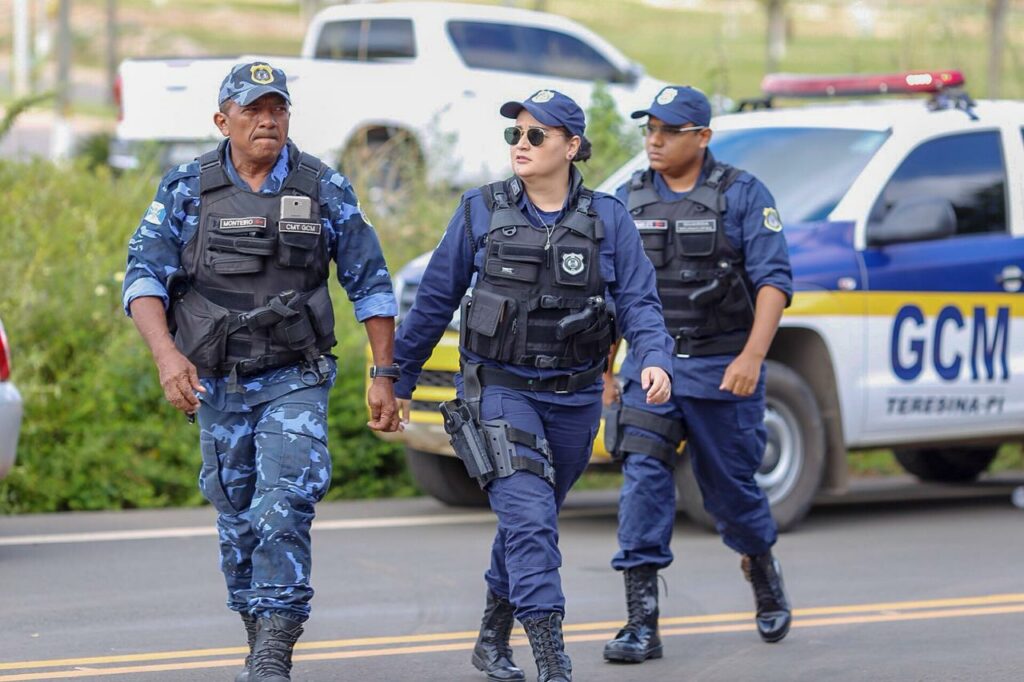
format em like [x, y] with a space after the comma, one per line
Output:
[339, 40]
[966, 169]
[563, 56]
[807, 170]
[367, 40]
[390, 39]
[483, 45]
[525, 49]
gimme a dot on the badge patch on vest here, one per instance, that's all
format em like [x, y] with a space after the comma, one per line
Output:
[651, 225]
[299, 228]
[572, 263]
[696, 226]
[254, 223]
[772, 220]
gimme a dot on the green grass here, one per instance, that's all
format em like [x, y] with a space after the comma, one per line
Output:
[708, 48]
[883, 462]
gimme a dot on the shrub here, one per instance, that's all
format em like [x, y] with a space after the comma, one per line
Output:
[97, 432]
[614, 141]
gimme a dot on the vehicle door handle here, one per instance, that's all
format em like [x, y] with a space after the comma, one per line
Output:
[1012, 277]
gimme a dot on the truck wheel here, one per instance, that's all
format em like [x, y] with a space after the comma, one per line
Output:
[794, 459]
[947, 465]
[383, 165]
[444, 478]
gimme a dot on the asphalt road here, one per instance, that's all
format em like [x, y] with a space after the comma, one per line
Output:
[923, 590]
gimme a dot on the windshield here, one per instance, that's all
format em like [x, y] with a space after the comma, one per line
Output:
[807, 170]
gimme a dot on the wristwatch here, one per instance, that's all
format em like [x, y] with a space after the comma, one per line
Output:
[388, 371]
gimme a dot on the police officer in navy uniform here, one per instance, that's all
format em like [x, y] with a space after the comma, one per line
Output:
[715, 239]
[541, 252]
[233, 254]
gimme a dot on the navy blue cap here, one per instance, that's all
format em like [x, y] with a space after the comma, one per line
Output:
[551, 108]
[248, 82]
[679, 104]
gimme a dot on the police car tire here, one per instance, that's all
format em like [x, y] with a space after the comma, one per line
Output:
[444, 478]
[793, 404]
[947, 464]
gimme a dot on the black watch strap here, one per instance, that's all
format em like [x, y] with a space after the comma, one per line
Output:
[387, 371]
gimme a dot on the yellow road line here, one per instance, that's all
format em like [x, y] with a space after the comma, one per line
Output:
[708, 624]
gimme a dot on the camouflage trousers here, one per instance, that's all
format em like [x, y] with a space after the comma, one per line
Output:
[265, 465]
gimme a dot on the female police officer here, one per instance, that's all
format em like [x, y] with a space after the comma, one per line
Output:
[541, 252]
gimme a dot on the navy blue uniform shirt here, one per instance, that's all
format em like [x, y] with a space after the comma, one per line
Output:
[766, 261]
[625, 269]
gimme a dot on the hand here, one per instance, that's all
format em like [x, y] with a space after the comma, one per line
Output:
[657, 384]
[741, 375]
[383, 409]
[612, 391]
[180, 380]
[404, 406]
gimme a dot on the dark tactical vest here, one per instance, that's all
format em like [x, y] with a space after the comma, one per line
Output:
[256, 295]
[705, 293]
[536, 306]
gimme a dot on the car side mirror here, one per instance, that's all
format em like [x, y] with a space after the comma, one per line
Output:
[633, 73]
[915, 219]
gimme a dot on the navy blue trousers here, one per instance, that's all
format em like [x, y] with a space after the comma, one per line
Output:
[524, 557]
[725, 443]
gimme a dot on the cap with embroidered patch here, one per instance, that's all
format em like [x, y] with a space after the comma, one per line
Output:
[551, 108]
[248, 82]
[677, 105]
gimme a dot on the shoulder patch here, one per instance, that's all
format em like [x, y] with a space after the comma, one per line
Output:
[772, 220]
[156, 213]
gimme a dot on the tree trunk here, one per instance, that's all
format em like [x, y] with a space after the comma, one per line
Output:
[111, 48]
[998, 13]
[21, 55]
[776, 34]
[60, 135]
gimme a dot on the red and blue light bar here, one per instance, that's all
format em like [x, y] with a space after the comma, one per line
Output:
[911, 82]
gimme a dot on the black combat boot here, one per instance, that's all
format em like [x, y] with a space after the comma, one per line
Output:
[272, 652]
[492, 653]
[764, 573]
[249, 621]
[638, 640]
[545, 633]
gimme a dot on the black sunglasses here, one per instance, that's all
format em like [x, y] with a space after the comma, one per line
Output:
[535, 136]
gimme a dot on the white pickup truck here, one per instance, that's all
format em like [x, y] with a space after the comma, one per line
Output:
[427, 76]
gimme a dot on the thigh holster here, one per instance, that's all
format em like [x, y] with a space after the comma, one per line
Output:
[618, 443]
[488, 448]
[502, 438]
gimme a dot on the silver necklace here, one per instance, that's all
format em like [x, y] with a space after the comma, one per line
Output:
[548, 229]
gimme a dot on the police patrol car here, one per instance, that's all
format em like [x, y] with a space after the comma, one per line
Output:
[905, 225]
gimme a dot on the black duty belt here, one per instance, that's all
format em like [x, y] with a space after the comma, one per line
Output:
[729, 343]
[569, 383]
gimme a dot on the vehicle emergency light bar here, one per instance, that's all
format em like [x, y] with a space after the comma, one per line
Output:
[912, 82]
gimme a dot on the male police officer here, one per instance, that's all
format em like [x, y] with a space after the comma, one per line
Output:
[715, 240]
[238, 244]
